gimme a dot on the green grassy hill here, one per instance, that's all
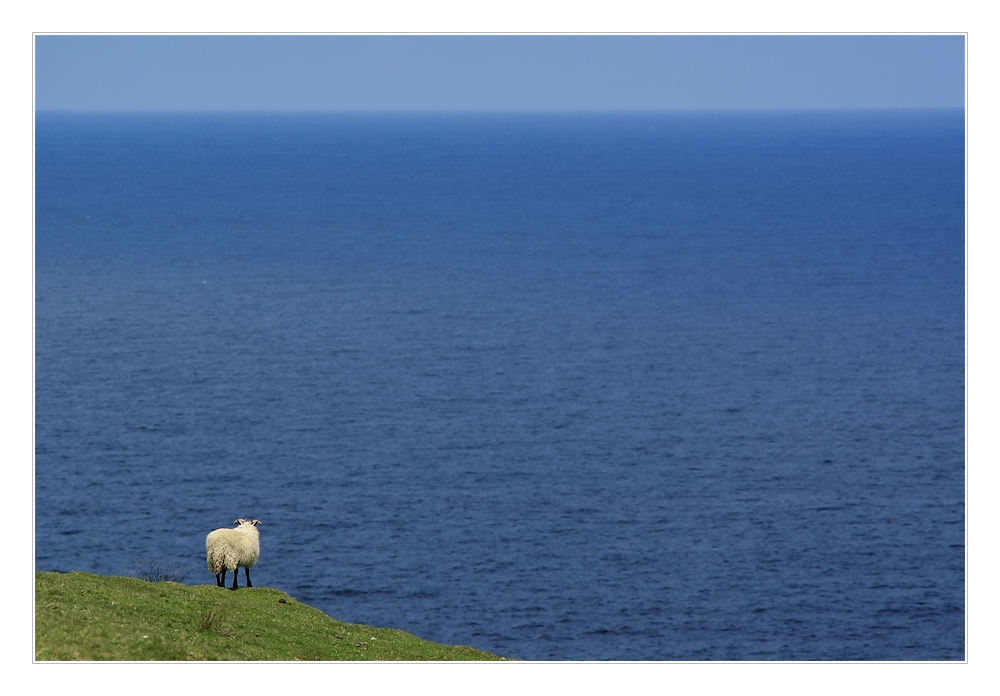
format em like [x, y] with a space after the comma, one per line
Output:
[80, 616]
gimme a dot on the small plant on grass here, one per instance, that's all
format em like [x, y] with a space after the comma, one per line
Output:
[156, 574]
[211, 620]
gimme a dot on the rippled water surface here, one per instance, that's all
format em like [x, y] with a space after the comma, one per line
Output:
[662, 387]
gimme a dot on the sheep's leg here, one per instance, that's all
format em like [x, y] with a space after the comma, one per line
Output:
[218, 580]
[247, 572]
[236, 576]
[221, 578]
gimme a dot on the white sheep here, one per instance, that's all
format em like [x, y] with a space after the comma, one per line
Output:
[228, 549]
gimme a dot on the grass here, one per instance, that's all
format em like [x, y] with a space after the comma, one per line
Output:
[153, 573]
[81, 616]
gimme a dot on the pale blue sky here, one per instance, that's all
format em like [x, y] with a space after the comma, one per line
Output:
[346, 73]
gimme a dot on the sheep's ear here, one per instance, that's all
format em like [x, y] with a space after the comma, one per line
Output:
[239, 521]
[256, 522]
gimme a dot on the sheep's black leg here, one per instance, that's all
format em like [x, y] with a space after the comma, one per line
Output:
[247, 571]
[236, 576]
[222, 578]
[218, 580]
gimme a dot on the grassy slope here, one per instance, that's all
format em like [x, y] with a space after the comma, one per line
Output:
[80, 616]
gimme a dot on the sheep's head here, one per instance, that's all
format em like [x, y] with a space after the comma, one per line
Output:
[241, 522]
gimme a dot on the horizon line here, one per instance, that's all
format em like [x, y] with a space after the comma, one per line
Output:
[637, 110]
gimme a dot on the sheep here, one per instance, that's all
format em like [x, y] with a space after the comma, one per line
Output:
[228, 549]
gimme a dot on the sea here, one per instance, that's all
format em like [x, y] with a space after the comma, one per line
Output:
[673, 386]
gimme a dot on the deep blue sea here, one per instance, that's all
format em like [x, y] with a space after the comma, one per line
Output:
[680, 386]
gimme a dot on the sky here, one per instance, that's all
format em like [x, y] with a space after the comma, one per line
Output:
[491, 72]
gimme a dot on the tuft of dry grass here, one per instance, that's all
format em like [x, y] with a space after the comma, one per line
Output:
[153, 573]
[211, 620]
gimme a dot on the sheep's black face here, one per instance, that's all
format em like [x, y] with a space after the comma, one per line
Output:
[240, 522]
